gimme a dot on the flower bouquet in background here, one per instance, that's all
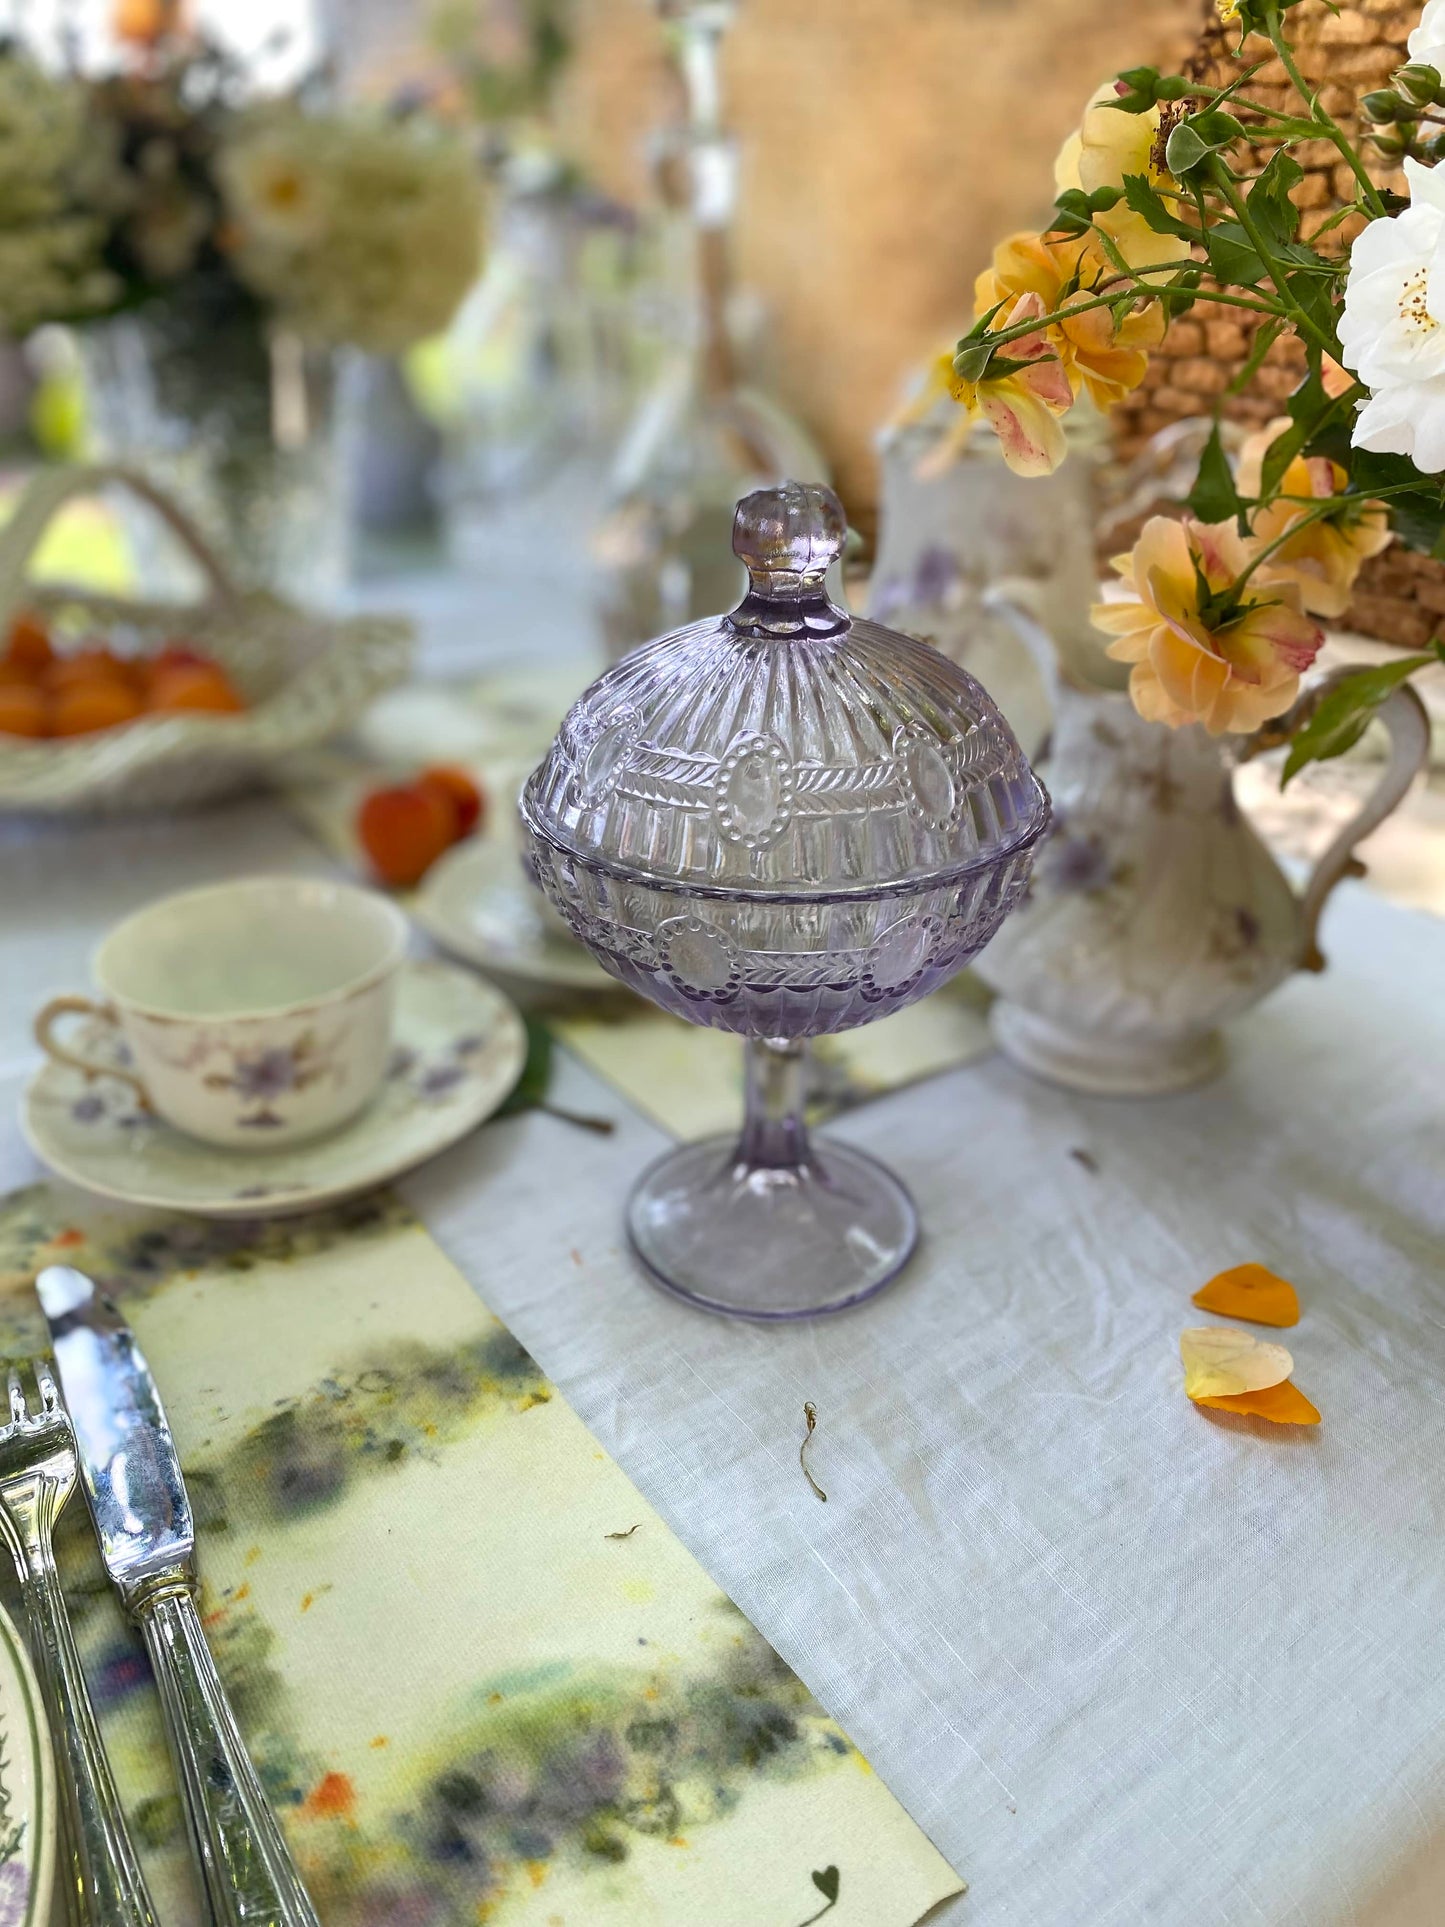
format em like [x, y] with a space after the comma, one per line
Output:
[1176, 194]
[216, 249]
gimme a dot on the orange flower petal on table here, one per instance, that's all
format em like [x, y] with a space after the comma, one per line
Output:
[1283, 1404]
[1220, 1362]
[1249, 1291]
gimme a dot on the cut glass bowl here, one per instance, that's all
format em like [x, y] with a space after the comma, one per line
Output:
[781, 822]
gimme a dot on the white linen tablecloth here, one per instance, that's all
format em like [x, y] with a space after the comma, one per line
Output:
[1124, 1661]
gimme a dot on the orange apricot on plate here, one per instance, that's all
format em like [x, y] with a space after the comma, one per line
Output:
[404, 830]
[81, 708]
[180, 655]
[461, 792]
[1283, 1404]
[28, 642]
[23, 710]
[1251, 1292]
[202, 687]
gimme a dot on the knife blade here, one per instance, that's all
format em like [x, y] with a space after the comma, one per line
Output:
[131, 1476]
[128, 1463]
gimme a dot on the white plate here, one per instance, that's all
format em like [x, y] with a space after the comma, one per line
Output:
[457, 1050]
[27, 1789]
[478, 904]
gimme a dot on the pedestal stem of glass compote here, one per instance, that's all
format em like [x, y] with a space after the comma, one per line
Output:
[775, 1132]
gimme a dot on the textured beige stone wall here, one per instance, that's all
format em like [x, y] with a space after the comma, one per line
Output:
[886, 145]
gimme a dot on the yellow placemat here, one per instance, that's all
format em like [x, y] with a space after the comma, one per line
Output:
[481, 1679]
[690, 1080]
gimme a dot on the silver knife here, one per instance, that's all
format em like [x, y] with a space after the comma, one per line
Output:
[132, 1479]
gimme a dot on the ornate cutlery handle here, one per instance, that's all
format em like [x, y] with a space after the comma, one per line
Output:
[246, 1867]
[103, 1883]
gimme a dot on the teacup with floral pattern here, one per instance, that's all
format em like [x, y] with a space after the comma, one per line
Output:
[254, 1012]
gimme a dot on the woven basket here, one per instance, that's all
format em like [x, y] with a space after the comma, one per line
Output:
[1400, 596]
[305, 676]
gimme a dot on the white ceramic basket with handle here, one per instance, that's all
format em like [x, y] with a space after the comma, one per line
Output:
[305, 676]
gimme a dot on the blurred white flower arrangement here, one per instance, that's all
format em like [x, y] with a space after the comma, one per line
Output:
[341, 225]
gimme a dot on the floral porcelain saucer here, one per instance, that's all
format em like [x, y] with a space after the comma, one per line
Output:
[477, 903]
[28, 1814]
[458, 1048]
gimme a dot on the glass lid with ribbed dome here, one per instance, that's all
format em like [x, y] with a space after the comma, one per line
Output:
[781, 822]
[786, 748]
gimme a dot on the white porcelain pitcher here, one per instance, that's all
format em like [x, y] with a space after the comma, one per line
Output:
[1155, 912]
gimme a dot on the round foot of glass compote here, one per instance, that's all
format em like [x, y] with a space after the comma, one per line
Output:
[772, 1224]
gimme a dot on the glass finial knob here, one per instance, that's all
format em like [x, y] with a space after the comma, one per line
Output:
[787, 537]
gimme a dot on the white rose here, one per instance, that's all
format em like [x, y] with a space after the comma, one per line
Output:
[1392, 331]
[1427, 42]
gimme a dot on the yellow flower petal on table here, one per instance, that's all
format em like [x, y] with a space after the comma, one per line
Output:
[1282, 1404]
[1220, 1362]
[1250, 1291]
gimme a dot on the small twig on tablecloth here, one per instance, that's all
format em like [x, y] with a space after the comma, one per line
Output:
[810, 1413]
[603, 1126]
[1086, 1158]
[623, 1535]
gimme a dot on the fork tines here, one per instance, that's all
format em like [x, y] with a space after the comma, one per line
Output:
[49, 1394]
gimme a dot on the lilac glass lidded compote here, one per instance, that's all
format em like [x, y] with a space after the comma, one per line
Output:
[781, 822]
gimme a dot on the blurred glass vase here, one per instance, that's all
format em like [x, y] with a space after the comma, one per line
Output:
[701, 437]
[244, 425]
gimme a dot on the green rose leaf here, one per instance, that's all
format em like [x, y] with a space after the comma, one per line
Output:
[1417, 514]
[1215, 128]
[1278, 456]
[971, 361]
[1232, 256]
[827, 1882]
[1148, 202]
[1184, 150]
[1270, 206]
[1214, 498]
[1346, 710]
[531, 1087]
[1265, 336]
[1311, 412]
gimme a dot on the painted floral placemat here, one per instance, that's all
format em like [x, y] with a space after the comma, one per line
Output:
[481, 1679]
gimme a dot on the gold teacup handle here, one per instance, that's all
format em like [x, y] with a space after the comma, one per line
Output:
[59, 1007]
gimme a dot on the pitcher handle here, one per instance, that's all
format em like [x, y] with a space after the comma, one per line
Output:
[1405, 717]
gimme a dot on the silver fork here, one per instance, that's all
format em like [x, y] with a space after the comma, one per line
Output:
[99, 1872]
